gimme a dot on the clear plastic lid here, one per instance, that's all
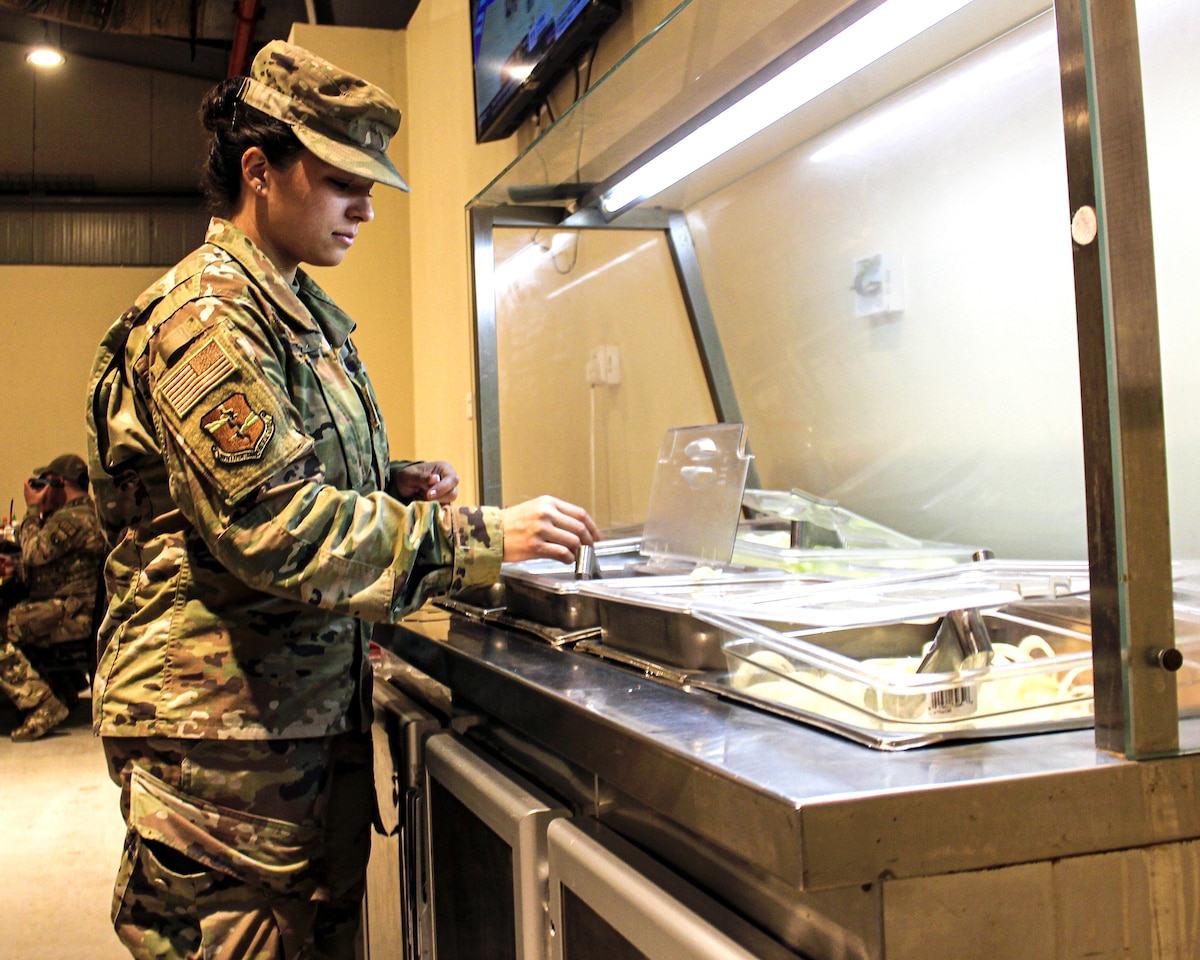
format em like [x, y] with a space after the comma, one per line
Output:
[696, 494]
[752, 549]
[986, 583]
[804, 533]
[678, 593]
[825, 522]
[1040, 674]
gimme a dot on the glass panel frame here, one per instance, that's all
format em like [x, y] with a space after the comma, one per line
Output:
[1133, 631]
[687, 64]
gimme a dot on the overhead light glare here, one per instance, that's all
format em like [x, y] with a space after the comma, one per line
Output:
[869, 38]
[518, 74]
[993, 73]
[45, 56]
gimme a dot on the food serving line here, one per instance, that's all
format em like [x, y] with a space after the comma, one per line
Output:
[823, 843]
[899, 783]
[832, 745]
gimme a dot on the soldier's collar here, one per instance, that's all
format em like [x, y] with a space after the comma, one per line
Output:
[336, 325]
[293, 302]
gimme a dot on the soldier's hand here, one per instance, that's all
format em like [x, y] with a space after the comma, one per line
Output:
[546, 527]
[8, 566]
[35, 496]
[429, 480]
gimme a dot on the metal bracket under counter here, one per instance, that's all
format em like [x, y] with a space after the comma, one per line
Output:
[826, 813]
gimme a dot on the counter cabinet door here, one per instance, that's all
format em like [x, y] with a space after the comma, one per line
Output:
[610, 901]
[396, 924]
[487, 855]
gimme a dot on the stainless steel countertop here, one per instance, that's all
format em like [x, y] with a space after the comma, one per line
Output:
[814, 810]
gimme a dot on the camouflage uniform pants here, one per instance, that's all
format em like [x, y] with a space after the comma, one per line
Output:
[242, 849]
[37, 623]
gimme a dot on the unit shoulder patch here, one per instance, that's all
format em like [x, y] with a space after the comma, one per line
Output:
[230, 421]
[238, 431]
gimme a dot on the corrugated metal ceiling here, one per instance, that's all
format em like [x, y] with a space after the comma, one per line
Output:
[64, 223]
[193, 37]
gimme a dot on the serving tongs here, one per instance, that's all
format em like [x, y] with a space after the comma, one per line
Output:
[961, 644]
[587, 566]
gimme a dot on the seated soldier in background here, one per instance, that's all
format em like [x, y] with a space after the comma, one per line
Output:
[62, 549]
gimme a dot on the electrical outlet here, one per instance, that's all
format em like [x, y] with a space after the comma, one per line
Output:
[604, 366]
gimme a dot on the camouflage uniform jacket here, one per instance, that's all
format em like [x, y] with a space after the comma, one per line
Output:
[61, 555]
[240, 466]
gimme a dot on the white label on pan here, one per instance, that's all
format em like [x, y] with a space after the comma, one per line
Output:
[952, 702]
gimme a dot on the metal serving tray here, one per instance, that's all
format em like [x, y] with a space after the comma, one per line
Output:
[865, 680]
[652, 619]
[550, 593]
[909, 596]
[835, 680]
[859, 679]
[547, 592]
[868, 675]
[676, 620]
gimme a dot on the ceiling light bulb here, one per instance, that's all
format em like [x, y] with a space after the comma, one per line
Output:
[45, 56]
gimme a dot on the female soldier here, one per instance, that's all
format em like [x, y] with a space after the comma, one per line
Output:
[242, 470]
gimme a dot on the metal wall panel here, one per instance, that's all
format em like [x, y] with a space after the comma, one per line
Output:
[131, 236]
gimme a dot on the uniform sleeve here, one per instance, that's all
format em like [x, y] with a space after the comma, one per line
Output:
[63, 532]
[244, 475]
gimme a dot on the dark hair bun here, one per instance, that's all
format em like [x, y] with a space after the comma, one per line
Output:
[233, 128]
[219, 106]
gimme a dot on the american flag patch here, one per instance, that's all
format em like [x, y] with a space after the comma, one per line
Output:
[198, 374]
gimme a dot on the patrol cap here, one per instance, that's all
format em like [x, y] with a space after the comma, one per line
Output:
[341, 118]
[69, 467]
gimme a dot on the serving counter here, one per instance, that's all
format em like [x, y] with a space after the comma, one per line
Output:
[924, 281]
[1037, 846]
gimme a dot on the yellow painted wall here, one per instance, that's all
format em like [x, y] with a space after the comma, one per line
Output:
[447, 168]
[54, 318]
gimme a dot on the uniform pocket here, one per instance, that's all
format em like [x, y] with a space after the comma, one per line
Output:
[261, 851]
[124, 873]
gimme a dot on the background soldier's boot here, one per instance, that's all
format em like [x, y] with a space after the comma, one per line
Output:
[29, 692]
[44, 717]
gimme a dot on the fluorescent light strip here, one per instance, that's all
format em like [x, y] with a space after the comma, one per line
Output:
[866, 40]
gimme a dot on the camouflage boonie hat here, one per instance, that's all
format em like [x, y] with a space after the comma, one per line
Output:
[343, 119]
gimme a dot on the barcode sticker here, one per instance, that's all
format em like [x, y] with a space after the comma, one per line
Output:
[952, 702]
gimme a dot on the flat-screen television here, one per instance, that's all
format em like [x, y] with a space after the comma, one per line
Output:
[520, 50]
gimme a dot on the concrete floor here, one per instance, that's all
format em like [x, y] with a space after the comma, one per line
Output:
[60, 842]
